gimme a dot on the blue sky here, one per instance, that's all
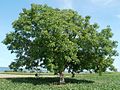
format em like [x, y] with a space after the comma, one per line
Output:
[104, 12]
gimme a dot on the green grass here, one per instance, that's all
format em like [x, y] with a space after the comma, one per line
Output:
[109, 81]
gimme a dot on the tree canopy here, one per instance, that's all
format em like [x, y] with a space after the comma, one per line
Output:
[59, 39]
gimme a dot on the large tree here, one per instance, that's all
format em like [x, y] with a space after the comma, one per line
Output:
[58, 39]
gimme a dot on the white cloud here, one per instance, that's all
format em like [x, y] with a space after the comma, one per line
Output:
[67, 4]
[103, 2]
[118, 16]
[107, 2]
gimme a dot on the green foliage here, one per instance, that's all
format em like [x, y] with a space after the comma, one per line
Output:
[59, 39]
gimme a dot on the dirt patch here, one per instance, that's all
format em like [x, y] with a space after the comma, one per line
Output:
[14, 76]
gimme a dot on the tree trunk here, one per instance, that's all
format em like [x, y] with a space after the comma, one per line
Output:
[100, 71]
[73, 74]
[62, 78]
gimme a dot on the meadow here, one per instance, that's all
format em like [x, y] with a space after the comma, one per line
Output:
[108, 81]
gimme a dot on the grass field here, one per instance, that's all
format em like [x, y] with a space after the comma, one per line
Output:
[109, 81]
